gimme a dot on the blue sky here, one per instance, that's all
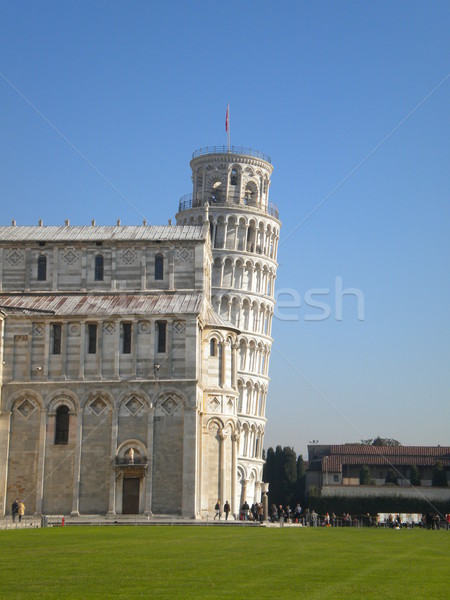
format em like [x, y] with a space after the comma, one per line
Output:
[103, 103]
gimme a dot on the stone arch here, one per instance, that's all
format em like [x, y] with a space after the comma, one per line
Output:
[103, 394]
[123, 449]
[227, 281]
[134, 403]
[16, 399]
[63, 396]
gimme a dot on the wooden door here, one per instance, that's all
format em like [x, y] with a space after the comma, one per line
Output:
[130, 501]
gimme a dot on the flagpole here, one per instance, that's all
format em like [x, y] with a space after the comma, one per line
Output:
[227, 125]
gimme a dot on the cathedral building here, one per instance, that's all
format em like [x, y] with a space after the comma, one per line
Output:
[134, 359]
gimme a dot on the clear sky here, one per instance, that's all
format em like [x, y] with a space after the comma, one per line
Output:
[103, 103]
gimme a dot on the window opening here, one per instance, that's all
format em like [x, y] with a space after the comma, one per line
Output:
[42, 268]
[62, 425]
[213, 347]
[56, 338]
[92, 338]
[159, 267]
[126, 338]
[161, 327]
[99, 268]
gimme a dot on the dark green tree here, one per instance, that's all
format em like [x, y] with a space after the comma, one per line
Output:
[289, 474]
[414, 476]
[439, 475]
[391, 477]
[364, 476]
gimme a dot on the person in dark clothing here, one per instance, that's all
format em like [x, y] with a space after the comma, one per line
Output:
[14, 509]
[226, 509]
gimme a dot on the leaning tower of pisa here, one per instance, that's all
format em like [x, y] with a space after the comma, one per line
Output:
[231, 187]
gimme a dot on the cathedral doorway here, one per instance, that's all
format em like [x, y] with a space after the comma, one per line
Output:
[130, 498]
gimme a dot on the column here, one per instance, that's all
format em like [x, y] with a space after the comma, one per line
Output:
[234, 348]
[113, 268]
[234, 452]
[55, 268]
[134, 347]
[223, 371]
[41, 463]
[143, 269]
[116, 350]
[243, 492]
[222, 438]
[82, 348]
[99, 355]
[112, 475]
[77, 466]
[5, 428]
[171, 270]
[64, 343]
[149, 478]
[46, 351]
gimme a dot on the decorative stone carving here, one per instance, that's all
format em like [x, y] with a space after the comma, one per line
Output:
[169, 405]
[26, 408]
[109, 327]
[214, 404]
[179, 326]
[74, 329]
[14, 257]
[144, 327]
[98, 406]
[184, 254]
[38, 329]
[129, 256]
[133, 405]
[70, 256]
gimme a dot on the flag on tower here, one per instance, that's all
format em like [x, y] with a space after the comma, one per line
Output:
[227, 118]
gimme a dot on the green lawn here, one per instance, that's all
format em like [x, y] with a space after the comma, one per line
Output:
[222, 562]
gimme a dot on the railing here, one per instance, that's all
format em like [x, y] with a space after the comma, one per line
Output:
[186, 202]
[232, 150]
[128, 462]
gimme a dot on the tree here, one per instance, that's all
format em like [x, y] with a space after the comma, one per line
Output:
[439, 475]
[289, 474]
[364, 476]
[379, 441]
[414, 476]
[391, 477]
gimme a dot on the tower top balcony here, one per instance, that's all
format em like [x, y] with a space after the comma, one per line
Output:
[235, 150]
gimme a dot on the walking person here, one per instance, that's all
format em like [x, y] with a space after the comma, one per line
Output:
[218, 510]
[226, 509]
[21, 510]
[14, 508]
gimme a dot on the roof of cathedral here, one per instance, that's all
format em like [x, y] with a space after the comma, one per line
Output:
[95, 233]
[103, 304]
[211, 319]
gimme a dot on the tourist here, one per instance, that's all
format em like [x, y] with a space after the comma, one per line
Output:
[297, 513]
[226, 509]
[14, 507]
[218, 511]
[245, 509]
[21, 510]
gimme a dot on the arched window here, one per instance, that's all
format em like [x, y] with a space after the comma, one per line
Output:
[98, 276]
[42, 268]
[159, 267]
[62, 425]
[213, 347]
[234, 177]
[161, 328]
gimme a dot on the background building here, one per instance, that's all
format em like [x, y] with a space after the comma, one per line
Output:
[356, 470]
[126, 383]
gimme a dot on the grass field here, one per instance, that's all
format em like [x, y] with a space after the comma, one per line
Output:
[222, 562]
